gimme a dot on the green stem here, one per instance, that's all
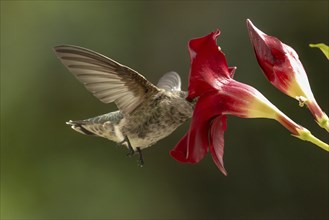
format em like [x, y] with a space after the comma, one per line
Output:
[300, 132]
[306, 135]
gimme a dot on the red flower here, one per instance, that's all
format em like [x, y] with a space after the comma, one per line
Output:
[211, 81]
[282, 67]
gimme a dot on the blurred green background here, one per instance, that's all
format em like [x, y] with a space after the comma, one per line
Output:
[48, 171]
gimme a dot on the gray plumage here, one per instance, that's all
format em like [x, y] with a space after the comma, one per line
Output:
[147, 113]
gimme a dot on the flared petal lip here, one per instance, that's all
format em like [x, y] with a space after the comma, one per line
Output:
[196, 44]
[216, 139]
[209, 67]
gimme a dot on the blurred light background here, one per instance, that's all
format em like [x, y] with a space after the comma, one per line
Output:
[48, 171]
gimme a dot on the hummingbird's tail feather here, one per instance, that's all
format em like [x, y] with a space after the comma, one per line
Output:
[78, 126]
[105, 126]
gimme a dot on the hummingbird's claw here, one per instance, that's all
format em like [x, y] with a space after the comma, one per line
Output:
[141, 159]
[131, 151]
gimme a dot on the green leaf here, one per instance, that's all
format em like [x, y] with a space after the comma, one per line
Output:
[324, 48]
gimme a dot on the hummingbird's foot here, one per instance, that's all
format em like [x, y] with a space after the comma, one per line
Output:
[141, 159]
[131, 151]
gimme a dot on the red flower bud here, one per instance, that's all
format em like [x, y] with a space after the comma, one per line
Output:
[282, 67]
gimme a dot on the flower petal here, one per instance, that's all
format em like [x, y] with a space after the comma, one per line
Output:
[179, 153]
[232, 71]
[217, 142]
[208, 65]
[195, 144]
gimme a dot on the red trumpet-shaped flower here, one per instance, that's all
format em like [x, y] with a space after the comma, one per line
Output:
[211, 81]
[282, 67]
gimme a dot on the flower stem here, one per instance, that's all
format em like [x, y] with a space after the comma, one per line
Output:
[306, 135]
[300, 132]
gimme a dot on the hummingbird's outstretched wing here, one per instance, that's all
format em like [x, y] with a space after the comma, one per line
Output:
[105, 78]
[170, 81]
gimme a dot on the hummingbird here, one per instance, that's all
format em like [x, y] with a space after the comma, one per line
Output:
[146, 113]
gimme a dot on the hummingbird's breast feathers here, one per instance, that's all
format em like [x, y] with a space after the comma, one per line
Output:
[158, 117]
